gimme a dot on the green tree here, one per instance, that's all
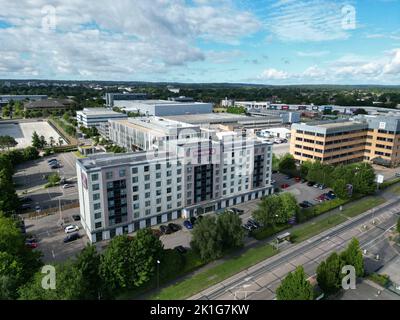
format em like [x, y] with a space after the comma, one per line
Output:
[7, 142]
[88, 264]
[43, 142]
[364, 179]
[6, 112]
[304, 168]
[329, 274]
[340, 188]
[289, 207]
[269, 211]
[206, 239]
[353, 256]
[295, 286]
[36, 143]
[287, 164]
[30, 153]
[230, 230]
[116, 264]
[9, 201]
[398, 225]
[145, 250]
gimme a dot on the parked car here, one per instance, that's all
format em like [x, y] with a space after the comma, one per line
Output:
[31, 245]
[397, 174]
[297, 179]
[31, 240]
[55, 166]
[26, 206]
[76, 217]
[316, 185]
[174, 227]
[165, 230]
[188, 224]
[254, 223]
[310, 183]
[71, 237]
[26, 199]
[38, 208]
[67, 185]
[180, 249]
[71, 228]
[303, 180]
[322, 186]
[247, 227]
[52, 160]
[193, 220]
[237, 211]
[284, 186]
[331, 195]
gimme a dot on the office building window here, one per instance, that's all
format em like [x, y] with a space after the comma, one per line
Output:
[134, 170]
[95, 177]
[96, 206]
[109, 175]
[95, 187]
[136, 214]
[146, 168]
[135, 197]
[97, 225]
[135, 179]
[97, 215]
[158, 166]
[96, 196]
[135, 189]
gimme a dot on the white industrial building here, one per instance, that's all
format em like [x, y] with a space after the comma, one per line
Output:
[164, 107]
[93, 117]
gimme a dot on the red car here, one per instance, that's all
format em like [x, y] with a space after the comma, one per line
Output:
[297, 179]
[32, 245]
[284, 186]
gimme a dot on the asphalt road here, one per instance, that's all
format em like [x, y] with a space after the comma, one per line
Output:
[260, 281]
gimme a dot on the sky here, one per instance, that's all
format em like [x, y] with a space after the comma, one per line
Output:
[248, 41]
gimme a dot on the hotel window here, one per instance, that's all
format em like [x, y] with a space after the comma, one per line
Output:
[179, 195]
[147, 195]
[158, 184]
[95, 177]
[158, 200]
[95, 187]
[134, 170]
[135, 189]
[147, 212]
[135, 179]
[169, 173]
[146, 168]
[122, 173]
[147, 177]
[179, 171]
[97, 225]
[169, 181]
[110, 185]
[147, 203]
[135, 206]
[158, 193]
[97, 215]
[158, 209]
[96, 206]
[136, 214]
[179, 179]
[109, 175]
[135, 197]
[147, 186]
[158, 166]
[96, 196]
[158, 175]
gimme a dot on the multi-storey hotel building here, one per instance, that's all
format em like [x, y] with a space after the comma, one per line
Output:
[188, 176]
[369, 138]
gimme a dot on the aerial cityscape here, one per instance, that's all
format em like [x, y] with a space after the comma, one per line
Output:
[170, 150]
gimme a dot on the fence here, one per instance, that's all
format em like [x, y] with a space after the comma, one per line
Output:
[69, 204]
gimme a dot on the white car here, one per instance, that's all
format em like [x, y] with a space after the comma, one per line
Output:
[67, 185]
[71, 228]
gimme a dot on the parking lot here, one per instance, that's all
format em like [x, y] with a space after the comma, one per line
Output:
[22, 131]
[31, 177]
[50, 234]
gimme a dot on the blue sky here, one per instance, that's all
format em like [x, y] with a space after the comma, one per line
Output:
[255, 41]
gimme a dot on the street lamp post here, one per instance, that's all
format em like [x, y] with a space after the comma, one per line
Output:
[158, 275]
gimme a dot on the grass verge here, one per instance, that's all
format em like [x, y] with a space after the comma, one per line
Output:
[203, 280]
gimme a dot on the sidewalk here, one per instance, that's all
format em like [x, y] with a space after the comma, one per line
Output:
[252, 243]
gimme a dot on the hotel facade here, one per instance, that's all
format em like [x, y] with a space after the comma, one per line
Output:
[185, 177]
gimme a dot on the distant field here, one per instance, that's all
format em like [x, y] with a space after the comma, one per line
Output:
[22, 132]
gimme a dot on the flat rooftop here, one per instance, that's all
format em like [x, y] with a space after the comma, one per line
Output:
[158, 102]
[155, 124]
[100, 111]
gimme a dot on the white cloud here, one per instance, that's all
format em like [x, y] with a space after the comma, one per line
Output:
[313, 54]
[347, 69]
[116, 39]
[307, 20]
[273, 74]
